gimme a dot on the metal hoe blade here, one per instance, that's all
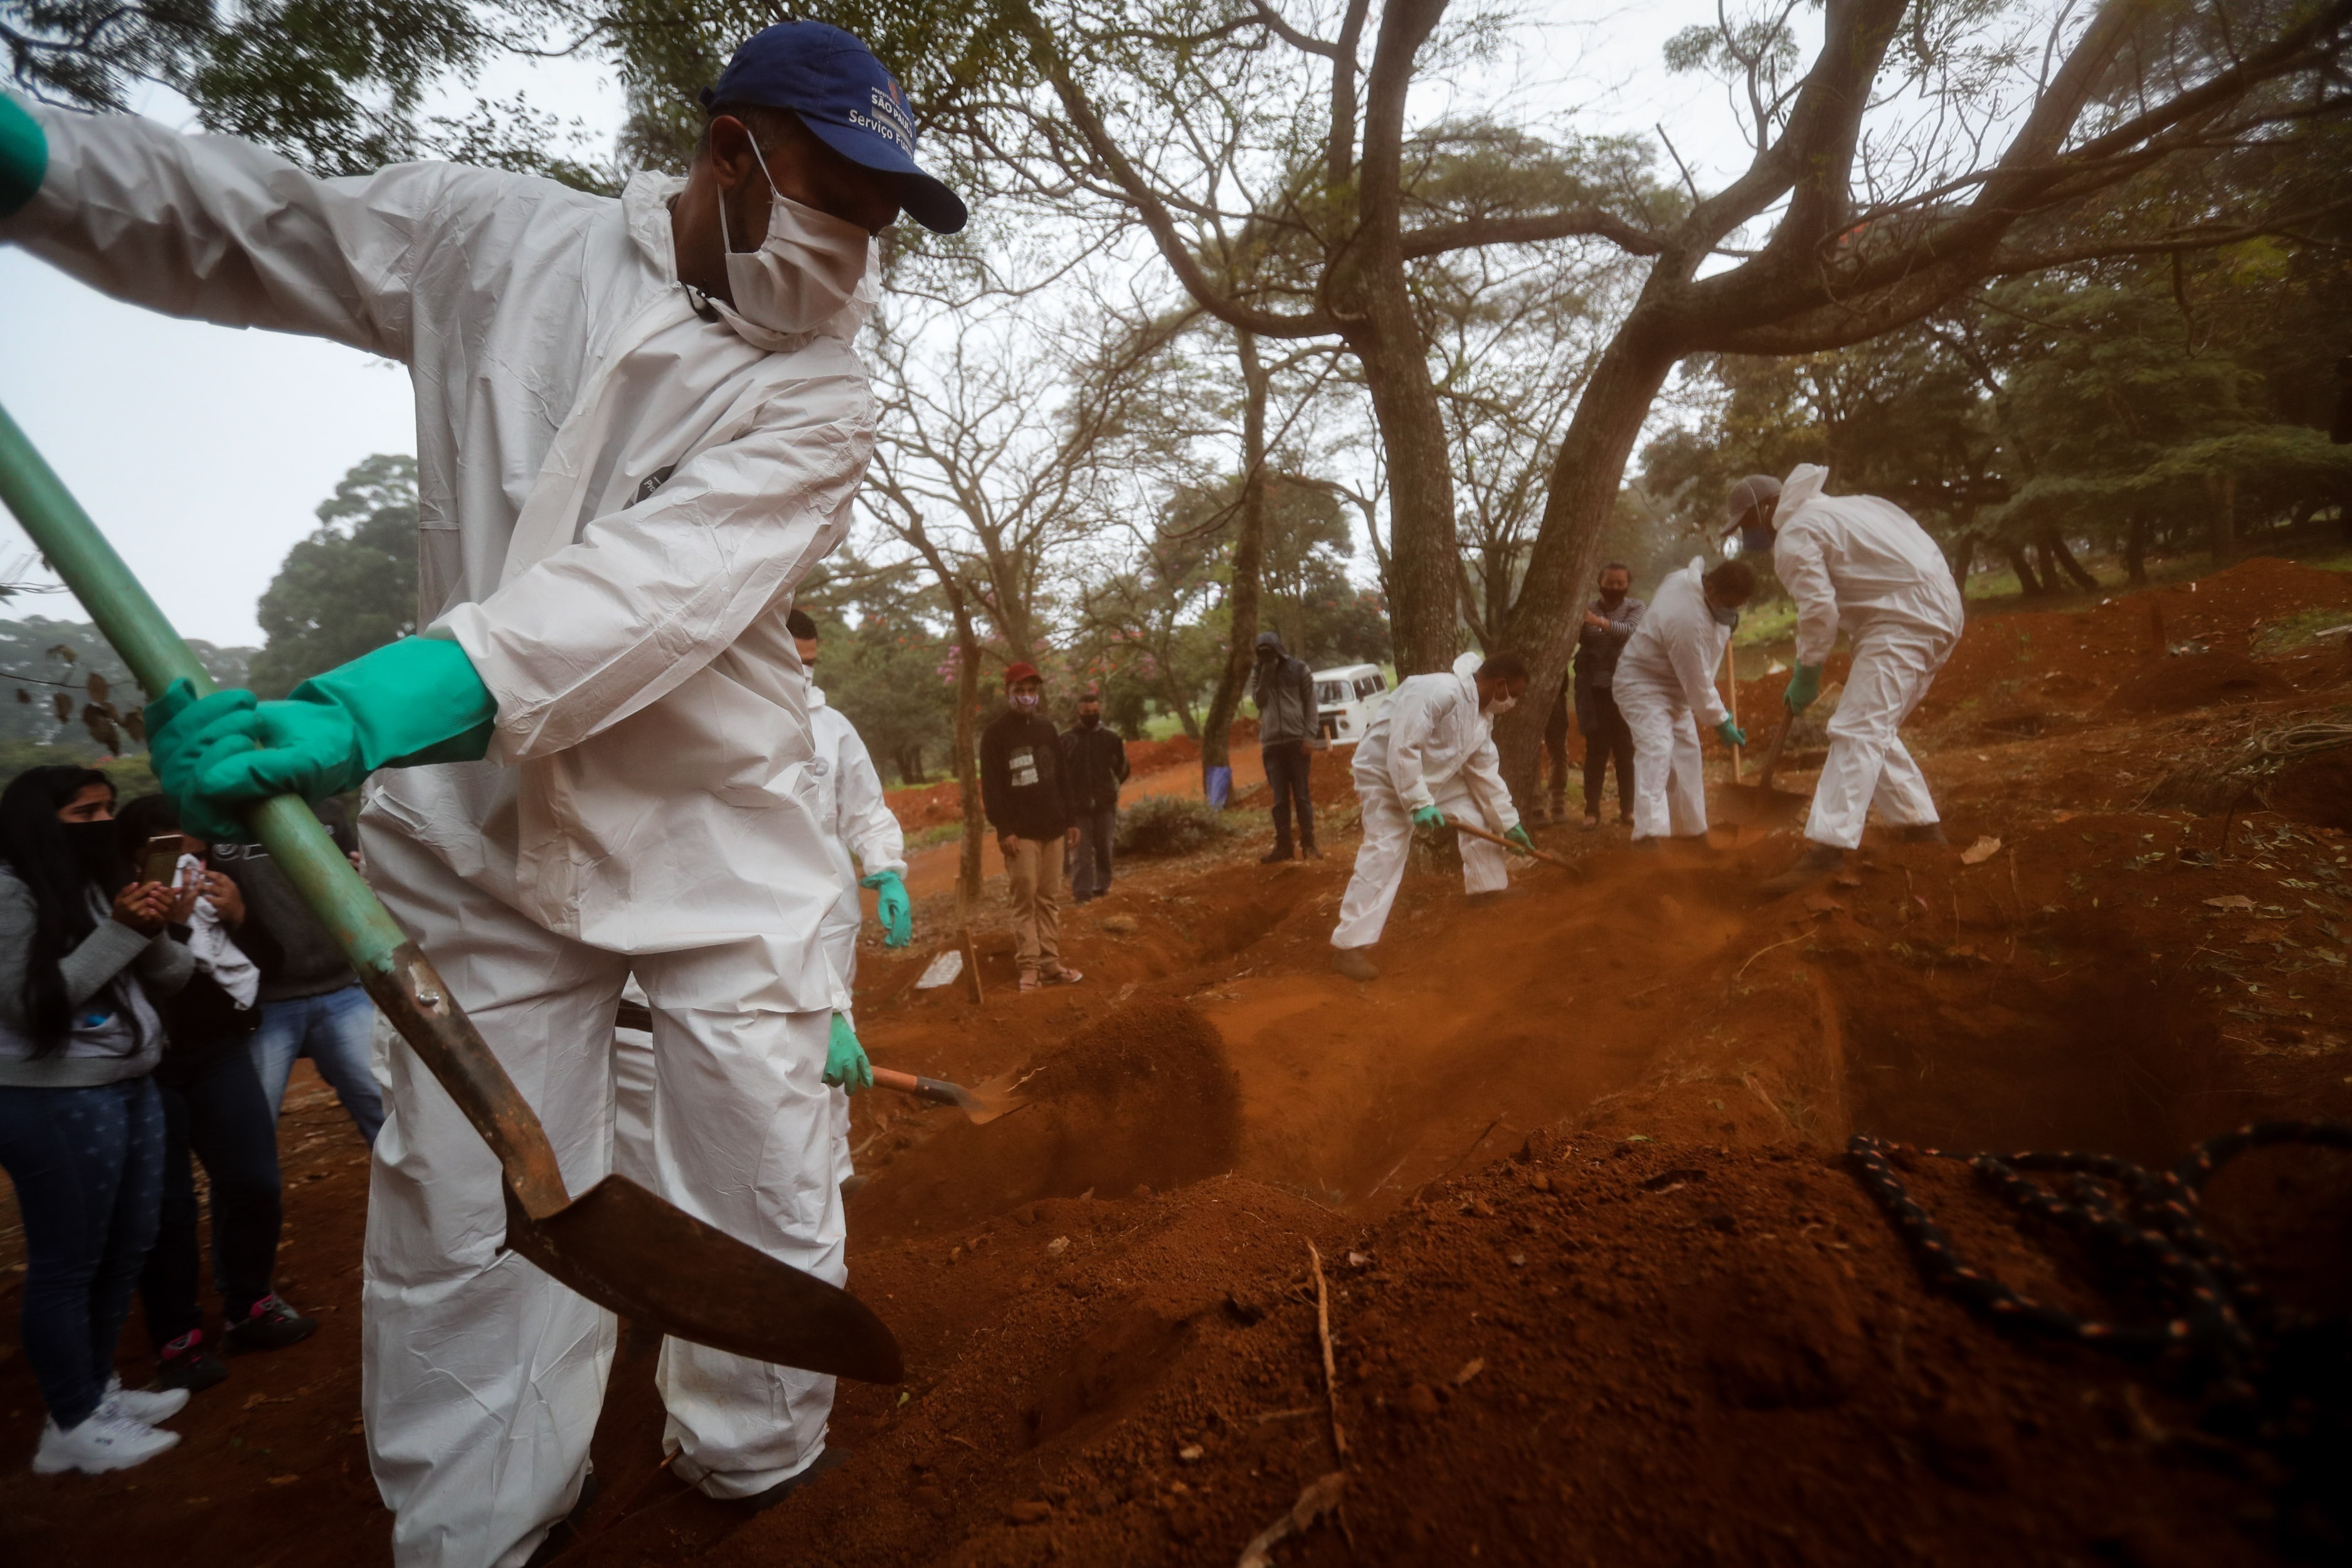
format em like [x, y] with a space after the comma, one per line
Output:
[625, 1248]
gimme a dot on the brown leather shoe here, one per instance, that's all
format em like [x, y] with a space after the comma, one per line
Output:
[1355, 964]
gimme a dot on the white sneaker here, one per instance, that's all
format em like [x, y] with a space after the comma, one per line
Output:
[144, 1405]
[105, 1442]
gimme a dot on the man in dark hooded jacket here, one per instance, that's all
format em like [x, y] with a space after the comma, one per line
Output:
[1284, 690]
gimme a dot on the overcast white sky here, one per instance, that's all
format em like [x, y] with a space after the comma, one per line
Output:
[202, 450]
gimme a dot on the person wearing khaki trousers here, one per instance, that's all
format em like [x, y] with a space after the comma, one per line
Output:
[1028, 804]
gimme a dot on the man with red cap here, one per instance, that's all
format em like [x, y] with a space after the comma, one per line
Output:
[1024, 787]
[640, 423]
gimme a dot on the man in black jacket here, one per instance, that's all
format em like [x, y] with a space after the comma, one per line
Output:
[1093, 759]
[1023, 788]
[1609, 623]
[1288, 725]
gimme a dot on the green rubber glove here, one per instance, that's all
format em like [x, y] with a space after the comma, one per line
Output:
[24, 156]
[414, 701]
[897, 910]
[1730, 734]
[846, 1067]
[1519, 838]
[1803, 687]
[1428, 816]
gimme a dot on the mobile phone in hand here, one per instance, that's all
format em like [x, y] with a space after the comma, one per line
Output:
[160, 861]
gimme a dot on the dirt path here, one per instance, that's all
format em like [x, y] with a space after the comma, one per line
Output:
[1600, 1284]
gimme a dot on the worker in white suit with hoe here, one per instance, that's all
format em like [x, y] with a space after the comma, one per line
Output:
[1666, 689]
[857, 820]
[1860, 565]
[1429, 755]
[640, 423]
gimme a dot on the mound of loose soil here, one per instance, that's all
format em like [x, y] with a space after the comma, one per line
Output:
[1142, 1099]
[2179, 682]
[1596, 1351]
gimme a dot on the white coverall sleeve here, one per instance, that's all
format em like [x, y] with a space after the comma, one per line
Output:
[872, 834]
[652, 593]
[1799, 557]
[1695, 657]
[221, 230]
[1408, 724]
[1484, 774]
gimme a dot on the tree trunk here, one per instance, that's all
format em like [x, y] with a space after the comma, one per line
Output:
[1424, 552]
[967, 756]
[2221, 520]
[2027, 583]
[1249, 547]
[1585, 479]
[1961, 559]
[2135, 551]
[2056, 557]
[1182, 707]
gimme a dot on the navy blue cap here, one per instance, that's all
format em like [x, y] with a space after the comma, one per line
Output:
[832, 80]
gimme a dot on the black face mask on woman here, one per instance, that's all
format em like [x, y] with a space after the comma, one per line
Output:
[98, 848]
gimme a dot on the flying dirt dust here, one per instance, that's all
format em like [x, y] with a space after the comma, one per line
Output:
[1602, 1286]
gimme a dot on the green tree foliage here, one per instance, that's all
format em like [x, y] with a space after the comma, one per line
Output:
[348, 588]
[340, 86]
[2168, 404]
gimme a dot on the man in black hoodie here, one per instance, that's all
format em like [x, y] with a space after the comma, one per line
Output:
[1093, 759]
[1022, 785]
[1288, 729]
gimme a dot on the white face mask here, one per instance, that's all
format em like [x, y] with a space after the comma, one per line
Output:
[807, 268]
[1502, 705]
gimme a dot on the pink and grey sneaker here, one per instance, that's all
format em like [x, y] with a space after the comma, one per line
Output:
[188, 1362]
[271, 1325]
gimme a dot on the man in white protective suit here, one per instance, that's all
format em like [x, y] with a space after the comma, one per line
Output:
[856, 821]
[1860, 565]
[640, 423]
[1429, 755]
[1666, 689]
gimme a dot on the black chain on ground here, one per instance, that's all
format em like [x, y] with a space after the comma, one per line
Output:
[2214, 1319]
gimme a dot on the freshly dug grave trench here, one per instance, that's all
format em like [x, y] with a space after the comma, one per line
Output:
[1142, 1099]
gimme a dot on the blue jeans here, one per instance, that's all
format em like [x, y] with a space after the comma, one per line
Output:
[219, 1116]
[332, 1031]
[88, 1169]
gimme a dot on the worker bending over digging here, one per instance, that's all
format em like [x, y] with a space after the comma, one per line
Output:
[856, 821]
[1862, 566]
[602, 739]
[1429, 755]
[1666, 689]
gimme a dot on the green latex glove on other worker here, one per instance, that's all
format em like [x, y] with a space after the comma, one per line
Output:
[1803, 687]
[1521, 841]
[846, 1067]
[1730, 734]
[897, 910]
[1428, 816]
[24, 156]
[414, 701]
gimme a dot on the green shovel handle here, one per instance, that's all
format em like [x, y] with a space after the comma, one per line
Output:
[394, 970]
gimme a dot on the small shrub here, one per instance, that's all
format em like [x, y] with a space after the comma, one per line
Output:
[1167, 825]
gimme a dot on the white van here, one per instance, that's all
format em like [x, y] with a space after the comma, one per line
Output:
[1348, 699]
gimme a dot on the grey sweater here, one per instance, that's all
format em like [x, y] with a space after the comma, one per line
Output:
[108, 979]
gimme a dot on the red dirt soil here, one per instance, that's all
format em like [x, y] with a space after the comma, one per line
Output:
[1601, 1287]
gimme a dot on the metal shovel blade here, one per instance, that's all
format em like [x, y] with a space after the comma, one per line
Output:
[984, 1102]
[653, 1263]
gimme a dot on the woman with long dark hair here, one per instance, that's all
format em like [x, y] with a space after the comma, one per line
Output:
[82, 1129]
